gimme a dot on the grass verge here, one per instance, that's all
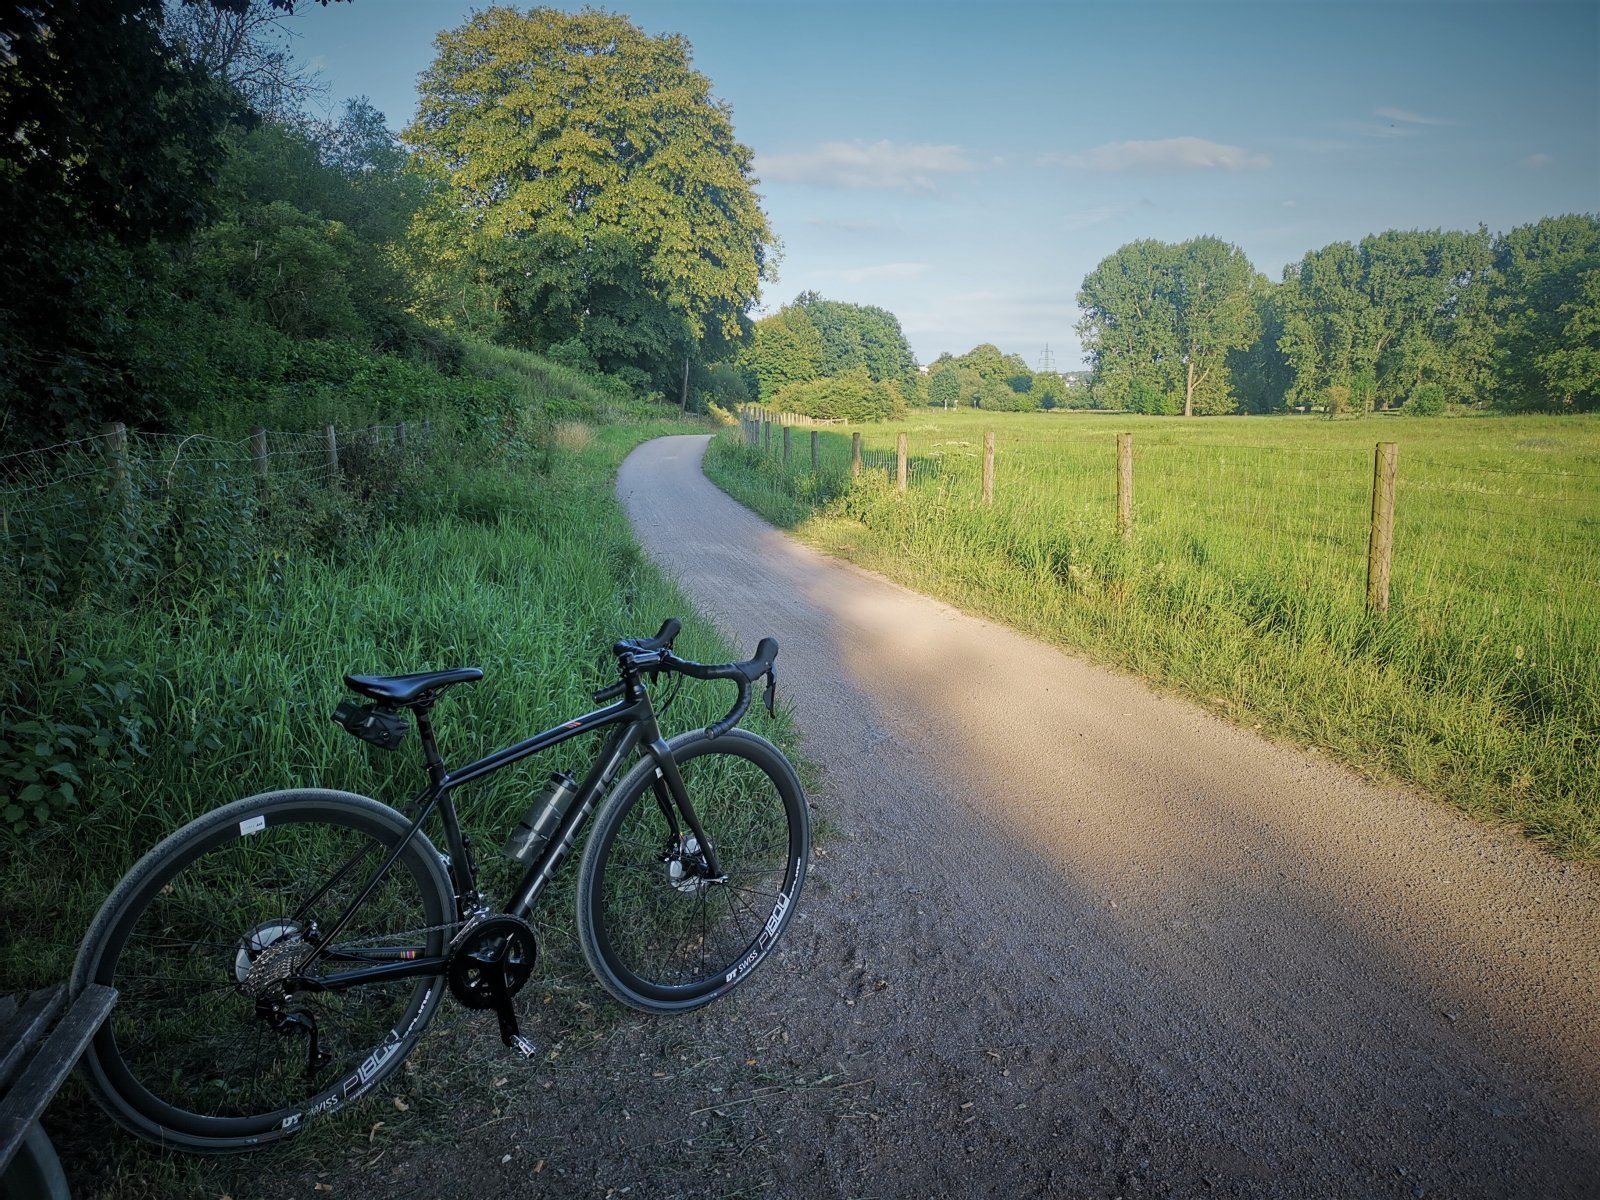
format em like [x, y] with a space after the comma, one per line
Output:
[525, 566]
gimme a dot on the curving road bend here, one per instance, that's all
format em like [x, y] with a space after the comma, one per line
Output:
[1085, 939]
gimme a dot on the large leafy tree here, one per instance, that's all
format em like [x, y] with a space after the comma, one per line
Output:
[784, 348]
[1160, 320]
[1367, 325]
[1547, 300]
[1129, 329]
[1213, 303]
[596, 178]
[860, 336]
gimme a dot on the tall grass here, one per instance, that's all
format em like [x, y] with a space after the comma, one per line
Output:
[531, 576]
[1244, 582]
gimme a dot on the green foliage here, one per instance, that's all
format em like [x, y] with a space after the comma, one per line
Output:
[110, 141]
[1160, 321]
[944, 387]
[1364, 325]
[1547, 278]
[859, 337]
[725, 385]
[983, 377]
[624, 214]
[784, 348]
[90, 721]
[1427, 401]
[852, 396]
[1049, 390]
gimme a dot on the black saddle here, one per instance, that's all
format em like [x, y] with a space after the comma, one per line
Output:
[409, 689]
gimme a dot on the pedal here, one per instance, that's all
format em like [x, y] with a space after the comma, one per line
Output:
[523, 1046]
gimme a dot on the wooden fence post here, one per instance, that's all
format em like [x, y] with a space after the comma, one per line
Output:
[332, 439]
[114, 434]
[766, 427]
[258, 457]
[427, 434]
[855, 453]
[786, 432]
[1380, 545]
[1125, 485]
[900, 467]
[400, 436]
[988, 467]
[813, 451]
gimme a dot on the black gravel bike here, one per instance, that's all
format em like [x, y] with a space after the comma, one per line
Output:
[280, 957]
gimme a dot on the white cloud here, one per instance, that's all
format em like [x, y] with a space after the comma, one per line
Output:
[883, 272]
[1087, 218]
[1162, 154]
[1537, 162]
[1289, 204]
[882, 165]
[1406, 117]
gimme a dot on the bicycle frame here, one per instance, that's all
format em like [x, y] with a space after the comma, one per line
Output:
[633, 724]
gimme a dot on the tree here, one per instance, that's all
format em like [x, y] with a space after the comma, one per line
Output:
[244, 44]
[1049, 390]
[859, 335]
[944, 386]
[591, 158]
[1260, 371]
[108, 141]
[1365, 325]
[1213, 302]
[852, 395]
[1547, 301]
[784, 348]
[1128, 327]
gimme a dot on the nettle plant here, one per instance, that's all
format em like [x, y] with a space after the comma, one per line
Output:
[89, 720]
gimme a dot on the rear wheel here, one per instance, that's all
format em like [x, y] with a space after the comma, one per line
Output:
[659, 933]
[206, 1050]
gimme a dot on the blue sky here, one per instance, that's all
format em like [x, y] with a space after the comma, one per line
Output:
[964, 165]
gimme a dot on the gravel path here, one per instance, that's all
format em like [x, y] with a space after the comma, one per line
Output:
[1074, 937]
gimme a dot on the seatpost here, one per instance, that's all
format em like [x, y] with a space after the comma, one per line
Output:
[430, 747]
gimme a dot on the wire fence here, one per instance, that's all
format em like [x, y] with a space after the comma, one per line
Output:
[1492, 569]
[111, 513]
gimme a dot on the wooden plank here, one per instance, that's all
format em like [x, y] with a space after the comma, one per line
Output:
[32, 1019]
[900, 466]
[37, 1086]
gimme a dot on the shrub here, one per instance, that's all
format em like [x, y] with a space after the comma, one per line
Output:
[1427, 400]
[853, 396]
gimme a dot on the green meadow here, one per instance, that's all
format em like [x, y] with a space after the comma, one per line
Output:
[1243, 583]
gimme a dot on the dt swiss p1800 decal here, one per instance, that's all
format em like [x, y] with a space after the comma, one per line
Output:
[769, 932]
[357, 1083]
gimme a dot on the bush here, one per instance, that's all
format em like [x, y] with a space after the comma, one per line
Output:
[853, 396]
[1427, 400]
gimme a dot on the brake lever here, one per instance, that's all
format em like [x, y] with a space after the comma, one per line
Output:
[771, 696]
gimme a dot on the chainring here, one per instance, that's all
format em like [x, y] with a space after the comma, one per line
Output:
[499, 943]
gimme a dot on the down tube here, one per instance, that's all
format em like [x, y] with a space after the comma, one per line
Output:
[618, 746]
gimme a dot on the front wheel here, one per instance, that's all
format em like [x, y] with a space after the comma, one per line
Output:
[659, 932]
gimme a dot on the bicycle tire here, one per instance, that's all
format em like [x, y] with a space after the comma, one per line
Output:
[602, 927]
[151, 886]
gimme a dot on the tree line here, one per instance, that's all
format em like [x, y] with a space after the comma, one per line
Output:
[1415, 319]
[184, 239]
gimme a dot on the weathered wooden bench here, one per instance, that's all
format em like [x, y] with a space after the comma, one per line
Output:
[34, 1061]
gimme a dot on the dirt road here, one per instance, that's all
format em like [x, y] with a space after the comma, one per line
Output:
[1078, 938]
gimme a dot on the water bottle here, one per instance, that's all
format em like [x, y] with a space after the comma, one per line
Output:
[543, 818]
